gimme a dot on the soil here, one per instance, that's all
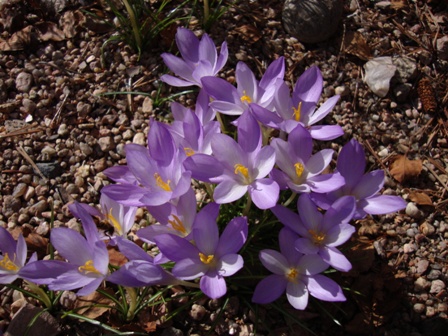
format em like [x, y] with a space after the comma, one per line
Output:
[63, 121]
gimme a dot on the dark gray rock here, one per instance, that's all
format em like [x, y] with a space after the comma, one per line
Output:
[312, 21]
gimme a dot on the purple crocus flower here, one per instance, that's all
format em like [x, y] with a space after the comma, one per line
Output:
[13, 257]
[295, 273]
[299, 170]
[120, 217]
[351, 165]
[172, 218]
[210, 257]
[193, 131]
[301, 107]
[140, 271]
[234, 101]
[245, 165]
[321, 234]
[87, 259]
[199, 59]
[158, 170]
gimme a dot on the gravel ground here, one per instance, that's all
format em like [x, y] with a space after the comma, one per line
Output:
[54, 117]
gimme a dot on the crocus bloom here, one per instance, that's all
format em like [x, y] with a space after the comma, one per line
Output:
[87, 258]
[299, 170]
[13, 257]
[119, 217]
[193, 131]
[212, 257]
[351, 165]
[234, 101]
[295, 273]
[140, 271]
[321, 234]
[245, 165]
[199, 59]
[158, 170]
[301, 107]
[176, 218]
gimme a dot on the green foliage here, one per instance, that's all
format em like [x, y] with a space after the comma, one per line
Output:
[139, 24]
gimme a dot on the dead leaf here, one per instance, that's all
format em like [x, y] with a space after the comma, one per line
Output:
[116, 258]
[71, 22]
[403, 169]
[355, 44]
[36, 243]
[18, 41]
[248, 33]
[49, 31]
[398, 4]
[89, 303]
[420, 198]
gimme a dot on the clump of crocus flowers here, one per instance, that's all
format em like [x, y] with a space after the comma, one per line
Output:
[248, 173]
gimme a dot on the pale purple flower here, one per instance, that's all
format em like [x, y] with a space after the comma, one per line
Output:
[245, 165]
[211, 257]
[295, 273]
[199, 59]
[121, 218]
[13, 257]
[351, 165]
[172, 218]
[298, 169]
[87, 259]
[234, 101]
[301, 107]
[321, 234]
[159, 171]
[193, 131]
[140, 271]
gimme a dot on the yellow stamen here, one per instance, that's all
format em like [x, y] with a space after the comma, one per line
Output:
[7, 264]
[177, 224]
[161, 183]
[88, 268]
[189, 151]
[113, 221]
[292, 274]
[299, 169]
[245, 98]
[206, 259]
[317, 237]
[240, 169]
[297, 111]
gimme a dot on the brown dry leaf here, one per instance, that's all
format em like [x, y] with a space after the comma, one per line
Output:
[403, 169]
[49, 31]
[18, 41]
[150, 326]
[89, 302]
[116, 258]
[248, 33]
[71, 22]
[36, 243]
[355, 44]
[361, 254]
[398, 4]
[420, 198]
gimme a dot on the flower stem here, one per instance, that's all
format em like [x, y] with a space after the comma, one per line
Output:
[135, 29]
[206, 11]
[132, 293]
[247, 207]
[43, 297]
[221, 122]
[290, 199]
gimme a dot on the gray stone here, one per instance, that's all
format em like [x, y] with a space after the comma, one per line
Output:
[106, 143]
[312, 21]
[406, 69]
[437, 286]
[31, 321]
[422, 266]
[24, 80]
[10, 205]
[50, 169]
